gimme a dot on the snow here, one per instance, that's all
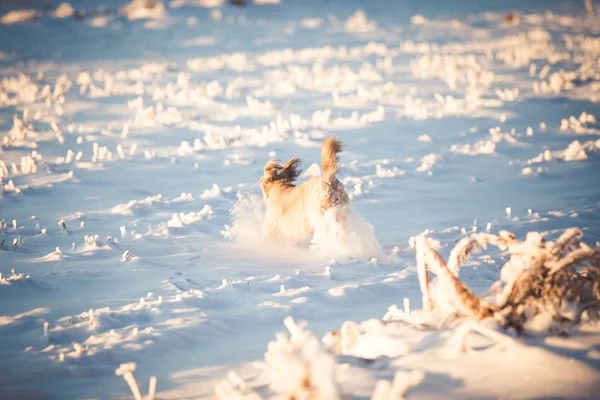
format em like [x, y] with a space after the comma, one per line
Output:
[424, 138]
[132, 138]
[143, 9]
[64, 10]
[17, 16]
[358, 22]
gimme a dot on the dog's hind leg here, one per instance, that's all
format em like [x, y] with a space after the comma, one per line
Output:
[341, 216]
[269, 229]
[335, 222]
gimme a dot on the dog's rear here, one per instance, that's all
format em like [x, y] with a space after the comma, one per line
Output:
[332, 193]
[333, 198]
[294, 210]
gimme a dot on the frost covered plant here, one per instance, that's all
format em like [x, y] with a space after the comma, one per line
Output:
[18, 16]
[403, 381]
[544, 286]
[234, 388]
[143, 9]
[299, 367]
[126, 371]
[18, 132]
[14, 276]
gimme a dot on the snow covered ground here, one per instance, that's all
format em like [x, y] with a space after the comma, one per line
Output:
[133, 136]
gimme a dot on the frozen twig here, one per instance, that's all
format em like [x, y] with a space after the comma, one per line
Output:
[578, 256]
[463, 298]
[424, 280]
[589, 8]
[152, 388]
[470, 245]
[570, 236]
[126, 371]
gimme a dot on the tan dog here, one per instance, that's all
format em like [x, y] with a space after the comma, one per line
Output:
[295, 210]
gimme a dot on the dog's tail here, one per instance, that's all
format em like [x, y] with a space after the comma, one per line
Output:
[329, 159]
[287, 173]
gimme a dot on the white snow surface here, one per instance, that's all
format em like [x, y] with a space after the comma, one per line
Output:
[132, 138]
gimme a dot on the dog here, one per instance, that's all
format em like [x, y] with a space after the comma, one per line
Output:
[294, 211]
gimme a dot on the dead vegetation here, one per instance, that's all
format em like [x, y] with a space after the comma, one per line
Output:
[544, 286]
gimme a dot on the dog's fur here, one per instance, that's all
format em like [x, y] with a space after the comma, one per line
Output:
[295, 210]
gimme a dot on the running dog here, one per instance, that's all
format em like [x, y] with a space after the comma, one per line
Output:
[295, 210]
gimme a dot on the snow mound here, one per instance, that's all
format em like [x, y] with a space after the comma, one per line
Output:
[18, 16]
[424, 138]
[428, 161]
[576, 151]
[182, 219]
[64, 10]
[13, 277]
[143, 9]
[134, 206]
[358, 22]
